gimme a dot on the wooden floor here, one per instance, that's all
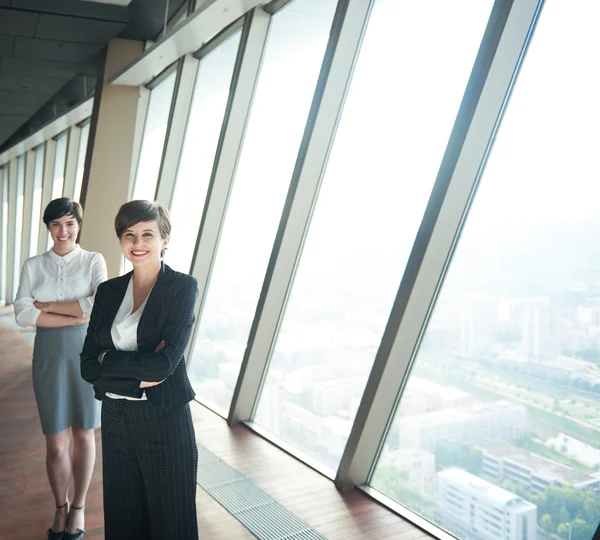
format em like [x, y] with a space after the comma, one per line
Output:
[27, 506]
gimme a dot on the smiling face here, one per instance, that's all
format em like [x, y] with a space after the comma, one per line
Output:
[64, 232]
[142, 243]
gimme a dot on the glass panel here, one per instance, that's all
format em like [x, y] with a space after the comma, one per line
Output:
[4, 254]
[36, 210]
[83, 140]
[497, 434]
[18, 221]
[155, 130]
[58, 179]
[297, 39]
[382, 167]
[211, 94]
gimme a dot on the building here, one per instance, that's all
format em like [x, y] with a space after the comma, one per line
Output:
[502, 461]
[418, 465]
[479, 328]
[483, 511]
[540, 330]
[496, 421]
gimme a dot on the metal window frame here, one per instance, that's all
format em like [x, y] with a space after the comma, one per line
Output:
[71, 161]
[244, 81]
[77, 194]
[180, 111]
[13, 181]
[143, 112]
[3, 179]
[38, 148]
[274, 6]
[219, 38]
[347, 31]
[163, 75]
[27, 205]
[66, 133]
[500, 57]
[47, 185]
[12, 203]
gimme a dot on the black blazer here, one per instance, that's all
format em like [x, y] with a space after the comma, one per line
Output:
[168, 316]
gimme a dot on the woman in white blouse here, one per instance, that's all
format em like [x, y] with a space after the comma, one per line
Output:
[56, 294]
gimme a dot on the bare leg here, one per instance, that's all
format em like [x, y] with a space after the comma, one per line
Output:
[84, 457]
[58, 467]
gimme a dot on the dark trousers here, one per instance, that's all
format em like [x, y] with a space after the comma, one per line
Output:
[149, 464]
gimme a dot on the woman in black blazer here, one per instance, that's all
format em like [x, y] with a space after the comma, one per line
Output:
[133, 355]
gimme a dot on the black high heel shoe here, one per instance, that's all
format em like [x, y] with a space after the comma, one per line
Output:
[58, 535]
[80, 532]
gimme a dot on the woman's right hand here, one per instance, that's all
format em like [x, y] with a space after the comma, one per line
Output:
[148, 384]
[78, 321]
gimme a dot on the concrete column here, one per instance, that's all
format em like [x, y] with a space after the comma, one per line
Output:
[115, 133]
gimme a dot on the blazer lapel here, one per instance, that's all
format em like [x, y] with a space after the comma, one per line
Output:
[115, 294]
[155, 303]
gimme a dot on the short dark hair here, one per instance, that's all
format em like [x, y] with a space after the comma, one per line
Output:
[135, 212]
[63, 207]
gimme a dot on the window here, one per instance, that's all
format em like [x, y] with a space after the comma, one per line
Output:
[297, 39]
[36, 209]
[155, 130]
[58, 179]
[18, 221]
[83, 140]
[210, 98]
[4, 224]
[385, 158]
[510, 361]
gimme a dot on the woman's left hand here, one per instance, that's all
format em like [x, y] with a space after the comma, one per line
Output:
[43, 306]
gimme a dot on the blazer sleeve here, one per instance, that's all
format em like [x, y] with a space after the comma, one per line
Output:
[90, 368]
[157, 366]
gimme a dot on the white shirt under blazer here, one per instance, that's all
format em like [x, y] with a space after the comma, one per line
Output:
[124, 330]
[52, 278]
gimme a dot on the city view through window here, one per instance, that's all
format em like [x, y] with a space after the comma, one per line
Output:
[497, 435]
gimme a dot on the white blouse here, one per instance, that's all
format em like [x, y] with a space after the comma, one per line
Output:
[52, 278]
[124, 330]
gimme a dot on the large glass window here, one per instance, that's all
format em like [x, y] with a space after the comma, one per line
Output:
[18, 221]
[402, 103]
[36, 209]
[497, 434]
[155, 130]
[296, 43]
[211, 94]
[81, 152]
[58, 178]
[4, 225]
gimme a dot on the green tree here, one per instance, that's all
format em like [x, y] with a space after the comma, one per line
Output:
[591, 509]
[581, 530]
[563, 515]
[562, 530]
[394, 483]
[547, 524]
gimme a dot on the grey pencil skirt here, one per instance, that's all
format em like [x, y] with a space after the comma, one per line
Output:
[63, 398]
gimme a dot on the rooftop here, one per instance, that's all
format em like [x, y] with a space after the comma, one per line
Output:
[483, 487]
[538, 465]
